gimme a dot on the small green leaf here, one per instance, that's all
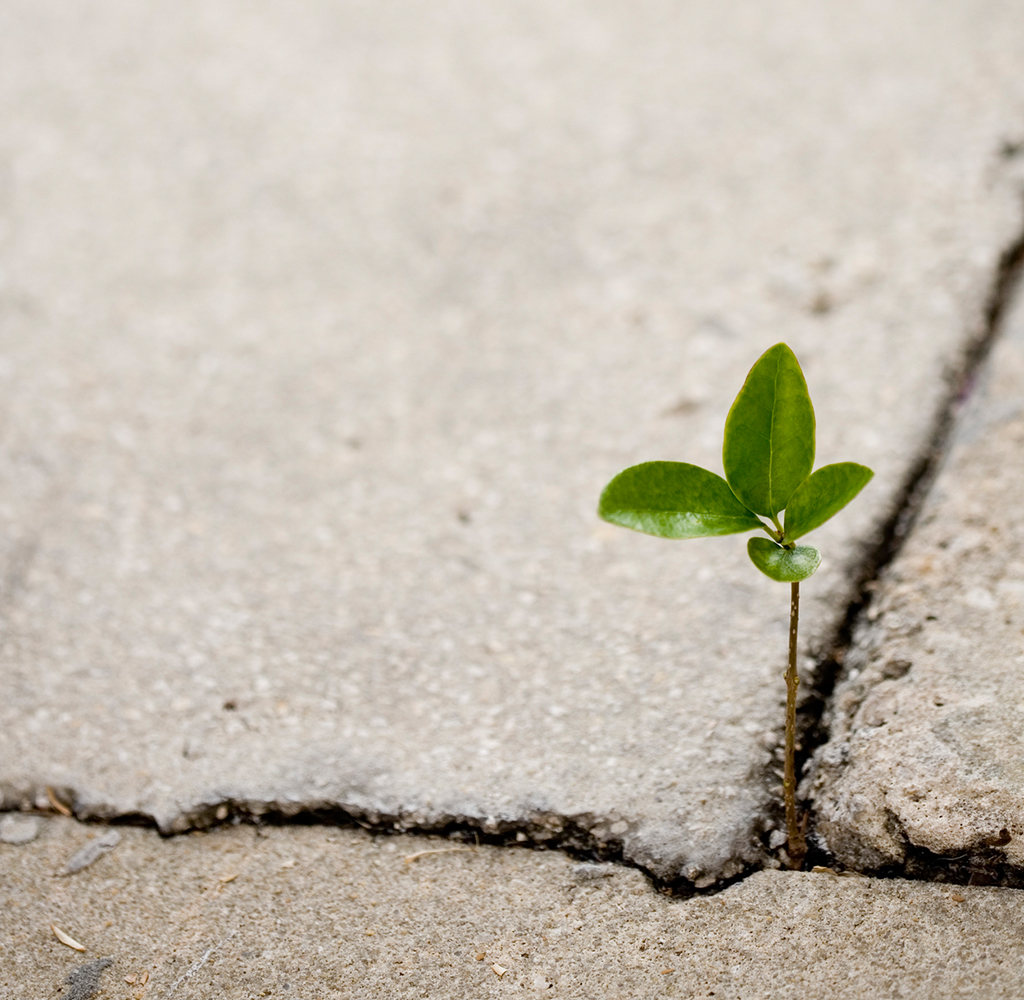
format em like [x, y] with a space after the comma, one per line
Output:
[823, 494]
[674, 500]
[769, 433]
[784, 565]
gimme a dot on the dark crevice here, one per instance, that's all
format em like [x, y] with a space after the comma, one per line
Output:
[542, 832]
[984, 865]
[981, 864]
[573, 838]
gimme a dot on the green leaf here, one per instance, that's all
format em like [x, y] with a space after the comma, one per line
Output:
[823, 494]
[769, 433]
[674, 500]
[784, 565]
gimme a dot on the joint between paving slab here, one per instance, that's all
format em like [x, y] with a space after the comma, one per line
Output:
[541, 832]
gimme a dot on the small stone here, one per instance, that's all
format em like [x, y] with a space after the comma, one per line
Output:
[15, 829]
[93, 850]
[588, 872]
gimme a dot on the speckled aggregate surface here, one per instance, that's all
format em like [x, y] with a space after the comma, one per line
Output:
[317, 913]
[322, 327]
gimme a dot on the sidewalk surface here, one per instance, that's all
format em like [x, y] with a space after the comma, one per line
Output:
[315, 913]
[322, 326]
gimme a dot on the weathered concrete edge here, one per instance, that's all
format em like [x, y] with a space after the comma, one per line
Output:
[982, 864]
[540, 829]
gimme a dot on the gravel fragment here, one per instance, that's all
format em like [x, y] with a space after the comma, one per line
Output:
[15, 829]
[587, 872]
[92, 851]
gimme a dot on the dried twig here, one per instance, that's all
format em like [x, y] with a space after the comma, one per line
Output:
[56, 803]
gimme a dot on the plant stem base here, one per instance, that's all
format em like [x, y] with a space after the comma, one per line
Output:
[796, 846]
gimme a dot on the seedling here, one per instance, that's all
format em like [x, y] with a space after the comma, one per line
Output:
[768, 456]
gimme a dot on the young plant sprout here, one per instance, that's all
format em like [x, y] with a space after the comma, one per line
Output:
[768, 455]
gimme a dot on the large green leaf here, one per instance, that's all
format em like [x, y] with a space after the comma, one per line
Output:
[769, 433]
[823, 494]
[784, 565]
[674, 500]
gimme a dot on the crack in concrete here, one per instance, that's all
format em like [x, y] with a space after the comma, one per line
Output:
[540, 831]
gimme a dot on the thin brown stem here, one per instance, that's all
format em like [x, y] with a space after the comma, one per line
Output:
[797, 847]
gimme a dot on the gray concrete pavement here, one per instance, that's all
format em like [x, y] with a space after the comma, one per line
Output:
[323, 326]
[924, 764]
[315, 912]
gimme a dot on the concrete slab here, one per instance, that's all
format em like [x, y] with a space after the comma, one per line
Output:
[316, 912]
[324, 326]
[924, 767]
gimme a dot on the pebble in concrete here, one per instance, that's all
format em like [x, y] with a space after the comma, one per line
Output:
[319, 913]
[323, 325]
[92, 852]
[926, 762]
[17, 829]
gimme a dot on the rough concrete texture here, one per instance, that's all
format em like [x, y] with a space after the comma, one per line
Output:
[315, 912]
[926, 749]
[323, 325]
